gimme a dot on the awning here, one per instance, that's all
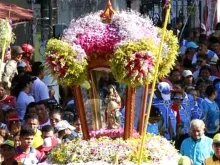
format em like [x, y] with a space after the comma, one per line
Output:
[14, 12]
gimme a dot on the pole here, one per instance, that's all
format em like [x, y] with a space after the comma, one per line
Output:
[143, 111]
[154, 81]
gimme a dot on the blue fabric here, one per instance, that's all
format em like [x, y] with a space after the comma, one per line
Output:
[173, 122]
[217, 85]
[210, 54]
[212, 114]
[153, 128]
[197, 113]
[185, 113]
[197, 150]
[164, 107]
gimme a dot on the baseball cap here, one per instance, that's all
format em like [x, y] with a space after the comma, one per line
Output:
[62, 125]
[8, 142]
[164, 89]
[21, 64]
[192, 45]
[216, 138]
[187, 73]
[48, 144]
[16, 50]
[184, 160]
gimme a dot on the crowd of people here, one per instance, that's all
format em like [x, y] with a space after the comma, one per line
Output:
[185, 106]
[31, 120]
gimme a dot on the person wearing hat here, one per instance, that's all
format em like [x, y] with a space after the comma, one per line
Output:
[64, 128]
[162, 100]
[187, 78]
[8, 153]
[201, 61]
[191, 50]
[10, 69]
[22, 93]
[215, 159]
[203, 49]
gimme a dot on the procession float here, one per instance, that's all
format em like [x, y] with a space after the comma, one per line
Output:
[104, 56]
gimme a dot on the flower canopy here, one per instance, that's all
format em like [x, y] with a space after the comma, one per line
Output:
[131, 41]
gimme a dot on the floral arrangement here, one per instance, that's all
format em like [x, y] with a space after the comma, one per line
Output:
[98, 37]
[169, 54]
[158, 151]
[112, 133]
[131, 40]
[6, 34]
[134, 62]
[65, 62]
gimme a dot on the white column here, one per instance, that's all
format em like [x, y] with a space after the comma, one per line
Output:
[218, 10]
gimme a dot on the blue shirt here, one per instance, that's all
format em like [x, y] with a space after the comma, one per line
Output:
[197, 150]
[164, 107]
[212, 114]
[153, 128]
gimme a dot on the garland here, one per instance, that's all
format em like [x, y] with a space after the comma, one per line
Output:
[133, 63]
[65, 62]
[169, 55]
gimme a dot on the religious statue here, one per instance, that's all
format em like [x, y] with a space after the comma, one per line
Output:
[113, 105]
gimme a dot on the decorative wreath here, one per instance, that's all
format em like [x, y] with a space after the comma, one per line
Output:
[133, 63]
[169, 53]
[65, 62]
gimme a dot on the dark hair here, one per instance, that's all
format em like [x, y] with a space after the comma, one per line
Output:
[44, 102]
[26, 132]
[155, 112]
[217, 80]
[199, 82]
[210, 90]
[67, 138]
[30, 105]
[204, 68]
[214, 40]
[217, 26]
[47, 128]
[31, 116]
[54, 111]
[174, 92]
[203, 39]
[68, 116]
[37, 67]
[202, 55]
[175, 70]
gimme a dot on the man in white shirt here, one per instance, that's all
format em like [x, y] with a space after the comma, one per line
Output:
[10, 69]
[39, 90]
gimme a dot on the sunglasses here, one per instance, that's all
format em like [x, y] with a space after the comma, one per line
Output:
[178, 98]
[217, 144]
